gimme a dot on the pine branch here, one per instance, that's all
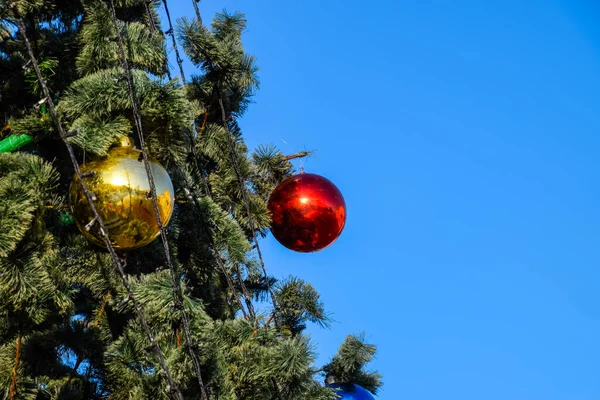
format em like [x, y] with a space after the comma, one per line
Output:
[290, 157]
[349, 362]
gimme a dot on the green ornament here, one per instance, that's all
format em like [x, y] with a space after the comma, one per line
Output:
[66, 219]
[14, 142]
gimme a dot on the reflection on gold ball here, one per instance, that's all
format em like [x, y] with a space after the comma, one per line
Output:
[121, 187]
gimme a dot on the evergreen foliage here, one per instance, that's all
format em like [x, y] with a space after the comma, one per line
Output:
[63, 308]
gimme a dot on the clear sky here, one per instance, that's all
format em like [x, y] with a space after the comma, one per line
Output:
[465, 138]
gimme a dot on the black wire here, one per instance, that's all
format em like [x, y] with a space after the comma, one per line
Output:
[198, 16]
[97, 218]
[174, 275]
[172, 34]
[217, 256]
[247, 296]
[247, 203]
[153, 30]
[244, 192]
[150, 16]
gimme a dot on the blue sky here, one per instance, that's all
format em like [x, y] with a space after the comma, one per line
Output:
[465, 137]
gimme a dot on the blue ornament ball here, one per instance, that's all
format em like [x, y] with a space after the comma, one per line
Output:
[350, 391]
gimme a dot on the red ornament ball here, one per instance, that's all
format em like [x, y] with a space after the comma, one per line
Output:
[308, 213]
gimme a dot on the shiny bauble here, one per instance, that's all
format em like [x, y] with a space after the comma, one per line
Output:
[123, 199]
[349, 391]
[308, 213]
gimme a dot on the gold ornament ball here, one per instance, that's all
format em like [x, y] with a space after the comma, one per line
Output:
[123, 200]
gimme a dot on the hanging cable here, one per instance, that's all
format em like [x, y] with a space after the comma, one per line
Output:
[172, 386]
[246, 203]
[153, 29]
[245, 291]
[247, 297]
[242, 188]
[137, 118]
[172, 34]
[218, 257]
[150, 16]
[198, 16]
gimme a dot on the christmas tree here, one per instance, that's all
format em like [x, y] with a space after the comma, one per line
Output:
[193, 314]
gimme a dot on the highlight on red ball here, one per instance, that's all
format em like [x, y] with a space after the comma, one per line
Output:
[308, 213]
